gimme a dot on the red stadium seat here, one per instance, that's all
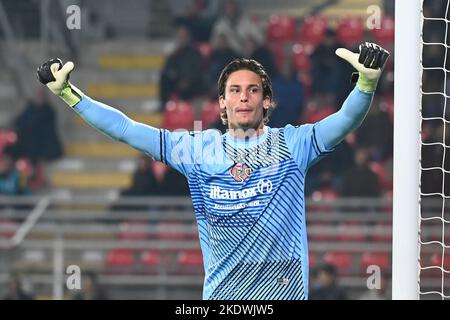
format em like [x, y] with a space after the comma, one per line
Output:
[350, 31]
[385, 34]
[313, 30]
[190, 262]
[301, 55]
[281, 29]
[436, 260]
[313, 260]
[120, 260]
[210, 113]
[7, 137]
[380, 259]
[151, 257]
[341, 260]
[190, 258]
[178, 114]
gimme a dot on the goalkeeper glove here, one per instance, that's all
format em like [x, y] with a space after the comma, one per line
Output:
[369, 62]
[56, 77]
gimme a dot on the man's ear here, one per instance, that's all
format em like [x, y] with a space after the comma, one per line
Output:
[222, 103]
[266, 103]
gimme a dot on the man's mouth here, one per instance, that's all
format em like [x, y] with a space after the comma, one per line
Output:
[243, 110]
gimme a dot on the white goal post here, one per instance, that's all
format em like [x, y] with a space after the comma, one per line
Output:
[407, 101]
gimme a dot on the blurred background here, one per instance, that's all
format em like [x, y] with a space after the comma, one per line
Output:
[72, 197]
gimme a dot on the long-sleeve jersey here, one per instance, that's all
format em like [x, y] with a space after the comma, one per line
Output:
[248, 194]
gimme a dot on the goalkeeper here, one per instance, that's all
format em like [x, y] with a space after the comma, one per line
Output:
[247, 184]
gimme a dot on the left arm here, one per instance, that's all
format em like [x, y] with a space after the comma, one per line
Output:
[334, 128]
[369, 63]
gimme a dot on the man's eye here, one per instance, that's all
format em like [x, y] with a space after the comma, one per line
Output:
[254, 90]
[234, 90]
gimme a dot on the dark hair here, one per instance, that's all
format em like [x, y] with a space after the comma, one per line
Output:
[251, 65]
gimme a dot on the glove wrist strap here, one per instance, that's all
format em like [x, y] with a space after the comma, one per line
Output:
[71, 95]
[366, 85]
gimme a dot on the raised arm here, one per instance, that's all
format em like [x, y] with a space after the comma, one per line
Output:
[106, 119]
[369, 63]
[172, 148]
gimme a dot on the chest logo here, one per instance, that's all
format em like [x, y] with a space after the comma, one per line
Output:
[240, 172]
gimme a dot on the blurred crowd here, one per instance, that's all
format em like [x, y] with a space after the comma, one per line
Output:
[309, 82]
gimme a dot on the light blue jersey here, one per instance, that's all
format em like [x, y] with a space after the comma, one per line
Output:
[248, 194]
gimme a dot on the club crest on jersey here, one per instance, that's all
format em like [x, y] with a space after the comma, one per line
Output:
[240, 172]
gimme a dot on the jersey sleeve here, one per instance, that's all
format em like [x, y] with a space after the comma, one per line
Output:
[176, 149]
[305, 145]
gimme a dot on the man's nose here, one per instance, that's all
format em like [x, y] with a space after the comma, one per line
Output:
[244, 96]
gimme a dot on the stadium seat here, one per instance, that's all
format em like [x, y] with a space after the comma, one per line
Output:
[313, 30]
[341, 260]
[120, 260]
[210, 113]
[190, 261]
[170, 230]
[350, 31]
[385, 34]
[351, 231]
[380, 259]
[133, 230]
[436, 260]
[151, 257]
[7, 137]
[178, 114]
[321, 231]
[301, 55]
[382, 232]
[153, 261]
[8, 228]
[313, 260]
[281, 29]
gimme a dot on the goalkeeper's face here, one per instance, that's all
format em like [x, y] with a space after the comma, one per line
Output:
[243, 100]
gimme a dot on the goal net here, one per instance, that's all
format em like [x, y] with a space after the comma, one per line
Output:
[434, 237]
[421, 209]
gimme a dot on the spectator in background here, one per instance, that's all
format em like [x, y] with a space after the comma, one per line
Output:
[90, 288]
[324, 175]
[325, 285]
[257, 50]
[360, 180]
[288, 94]
[380, 142]
[11, 183]
[326, 71]
[16, 290]
[221, 55]
[237, 27]
[198, 15]
[182, 74]
[153, 178]
[37, 132]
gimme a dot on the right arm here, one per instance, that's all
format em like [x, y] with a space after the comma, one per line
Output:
[172, 148]
[118, 126]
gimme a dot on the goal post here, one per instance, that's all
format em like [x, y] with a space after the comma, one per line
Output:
[406, 173]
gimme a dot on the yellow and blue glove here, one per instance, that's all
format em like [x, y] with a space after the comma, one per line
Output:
[55, 76]
[369, 63]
